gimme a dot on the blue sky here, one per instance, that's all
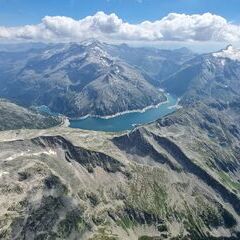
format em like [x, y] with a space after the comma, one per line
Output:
[22, 12]
[205, 24]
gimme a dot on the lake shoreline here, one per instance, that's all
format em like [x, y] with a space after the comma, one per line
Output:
[176, 106]
[121, 113]
[127, 120]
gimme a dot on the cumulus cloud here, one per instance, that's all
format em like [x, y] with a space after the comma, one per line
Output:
[173, 27]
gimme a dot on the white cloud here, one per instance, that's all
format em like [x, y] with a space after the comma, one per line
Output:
[173, 27]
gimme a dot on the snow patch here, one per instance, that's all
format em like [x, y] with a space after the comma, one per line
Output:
[230, 52]
[3, 173]
[24, 154]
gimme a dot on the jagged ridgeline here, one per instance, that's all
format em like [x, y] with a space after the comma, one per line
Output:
[175, 179]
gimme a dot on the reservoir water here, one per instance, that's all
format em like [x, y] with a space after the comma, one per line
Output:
[126, 121]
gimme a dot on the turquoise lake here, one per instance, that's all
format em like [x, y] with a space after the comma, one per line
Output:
[126, 121]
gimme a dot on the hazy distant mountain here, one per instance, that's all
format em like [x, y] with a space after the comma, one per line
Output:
[209, 75]
[13, 116]
[16, 47]
[155, 63]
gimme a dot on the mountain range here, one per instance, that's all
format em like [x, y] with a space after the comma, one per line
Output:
[175, 179]
[88, 78]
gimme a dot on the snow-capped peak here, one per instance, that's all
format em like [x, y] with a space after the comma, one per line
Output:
[230, 52]
[91, 42]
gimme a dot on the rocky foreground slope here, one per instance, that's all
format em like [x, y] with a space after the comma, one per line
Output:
[177, 178]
